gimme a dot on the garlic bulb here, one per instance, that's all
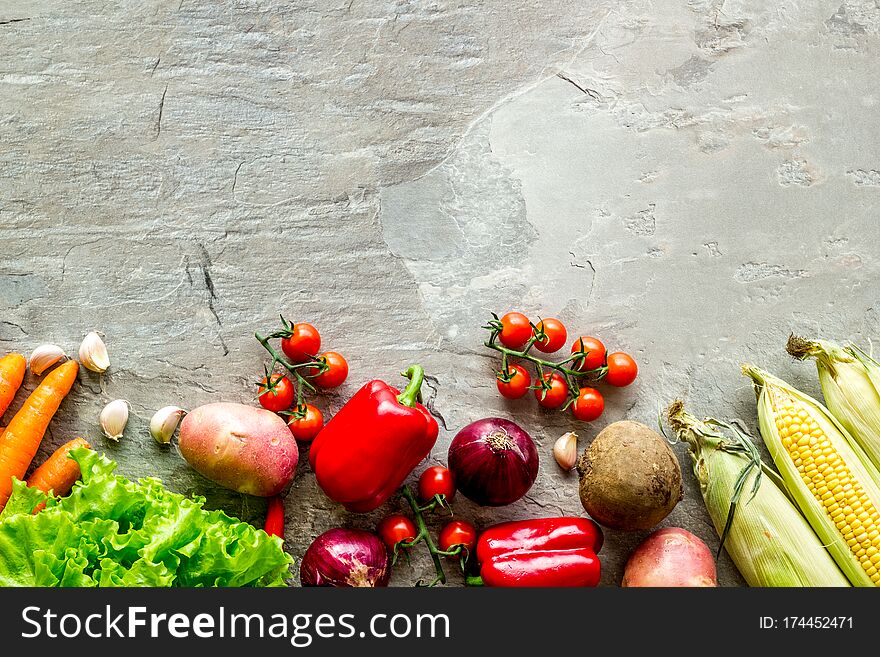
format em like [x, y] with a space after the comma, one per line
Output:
[164, 423]
[44, 357]
[565, 450]
[93, 353]
[114, 417]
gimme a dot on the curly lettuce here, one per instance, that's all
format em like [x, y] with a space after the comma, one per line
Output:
[111, 531]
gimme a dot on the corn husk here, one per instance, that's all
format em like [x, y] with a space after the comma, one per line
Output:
[761, 529]
[850, 381]
[772, 392]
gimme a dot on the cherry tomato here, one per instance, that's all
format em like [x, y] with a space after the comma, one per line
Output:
[458, 532]
[306, 427]
[516, 330]
[622, 369]
[518, 385]
[555, 335]
[556, 395]
[589, 405]
[594, 349]
[279, 395]
[303, 343]
[336, 372]
[436, 480]
[396, 528]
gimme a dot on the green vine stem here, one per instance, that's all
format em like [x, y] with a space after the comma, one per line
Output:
[425, 536]
[302, 383]
[473, 580]
[570, 375]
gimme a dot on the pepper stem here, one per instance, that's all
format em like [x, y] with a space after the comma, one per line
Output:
[416, 376]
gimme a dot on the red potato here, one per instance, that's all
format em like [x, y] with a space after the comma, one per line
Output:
[247, 449]
[671, 557]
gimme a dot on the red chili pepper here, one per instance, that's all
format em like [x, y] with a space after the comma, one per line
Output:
[541, 552]
[275, 517]
[363, 454]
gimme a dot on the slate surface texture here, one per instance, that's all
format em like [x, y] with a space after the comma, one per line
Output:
[688, 180]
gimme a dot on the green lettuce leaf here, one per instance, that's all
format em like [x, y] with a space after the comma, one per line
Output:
[25, 500]
[111, 531]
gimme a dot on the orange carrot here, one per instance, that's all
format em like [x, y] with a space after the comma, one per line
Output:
[12, 367]
[59, 472]
[20, 441]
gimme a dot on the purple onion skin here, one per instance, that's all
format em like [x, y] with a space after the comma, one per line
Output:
[494, 461]
[346, 558]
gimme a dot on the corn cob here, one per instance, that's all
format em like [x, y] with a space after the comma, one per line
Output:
[850, 381]
[768, 539]
[827, 474]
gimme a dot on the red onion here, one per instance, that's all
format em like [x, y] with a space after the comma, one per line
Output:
[346, 557]
[494, 461]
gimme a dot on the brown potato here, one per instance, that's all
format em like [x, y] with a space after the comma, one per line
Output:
[629, 478]
[247, 449]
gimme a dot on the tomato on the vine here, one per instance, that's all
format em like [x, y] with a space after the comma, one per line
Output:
[594, 350]
[458, 532]
[622, 369]
[516, 330]
[436, 480]
[336, 372]
[555, 335]
[589, 405]
[396, 528]
[556, 394]
[306, 425]
[302, 344]
[277, 395]
[518, 383]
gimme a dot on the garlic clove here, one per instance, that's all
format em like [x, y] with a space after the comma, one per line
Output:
[565, 450]
[114, 417]
[93, 353]
[44, 357]
[164, 423]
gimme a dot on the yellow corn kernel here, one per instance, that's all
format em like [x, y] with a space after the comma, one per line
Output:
[831, 483]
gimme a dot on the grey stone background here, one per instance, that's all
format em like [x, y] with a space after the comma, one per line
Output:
[688, 180]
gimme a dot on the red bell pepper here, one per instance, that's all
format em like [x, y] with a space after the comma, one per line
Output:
[541, 552]
[364, 453]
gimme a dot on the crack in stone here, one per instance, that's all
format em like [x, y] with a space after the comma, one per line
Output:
[544, 505]
[592, 93]
[69, 251]
[589, 266]
[432, 383]
[209, 286]
[235, 176]
[161, 108]
[110, 375]
[13, 325]
[206, 271]
[208, 282]
[178, 366]
[14, 20]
